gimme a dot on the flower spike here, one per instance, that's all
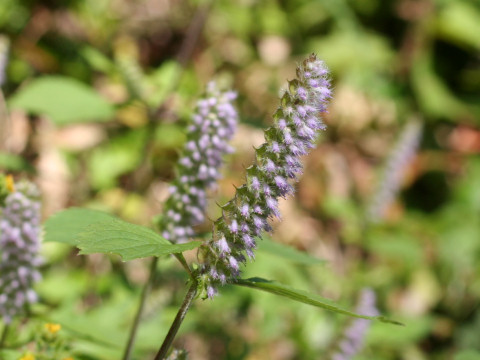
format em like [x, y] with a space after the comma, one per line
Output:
[212, 127]
[19, 246]
[245, 217]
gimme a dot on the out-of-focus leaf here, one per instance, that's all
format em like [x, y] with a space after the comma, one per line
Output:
[115, 158]
[170, 135]
[97, 60]
[288, 252]
[130, 241]
[433, 95]
[305, 297]
[163, 79]
[459, 21]
[64, 226]
[467, 355]
[10, 355]
[344, 52]
[11, 162]
[64, 100]
[417, 328]
[59, 286]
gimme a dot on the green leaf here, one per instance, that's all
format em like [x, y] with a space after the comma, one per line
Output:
[130, 241]
[10, 354]
[97, 60]
[459, 22]
[288, 252]
[64, 100]
[162, 80]
[304, 297]
[116, 157]
[64, 226]
[11, 162]
[433, 95]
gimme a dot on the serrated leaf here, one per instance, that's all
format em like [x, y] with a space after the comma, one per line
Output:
[64, 226]
[304, 297]
[130, 241]
[64, 100]
[288, 252]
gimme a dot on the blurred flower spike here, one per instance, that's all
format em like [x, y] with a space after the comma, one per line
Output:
[245, 217]
[213, 125]
[401, 155]
[19, 245]
[354, 336]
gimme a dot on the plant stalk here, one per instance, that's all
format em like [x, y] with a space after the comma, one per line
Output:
[182, 312]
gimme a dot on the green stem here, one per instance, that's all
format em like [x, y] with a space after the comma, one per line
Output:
[3, 338]
[133, 331]
[182, 312]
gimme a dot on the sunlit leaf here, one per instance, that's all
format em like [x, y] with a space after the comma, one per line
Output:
[130, 241]
[64, 100]
[64, 226]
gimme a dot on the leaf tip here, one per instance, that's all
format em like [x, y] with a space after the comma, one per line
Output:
[389, 321]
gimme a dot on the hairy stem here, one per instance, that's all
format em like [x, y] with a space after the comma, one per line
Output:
[182, 312]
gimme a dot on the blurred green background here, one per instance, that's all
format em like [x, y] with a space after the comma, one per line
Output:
[98, 95]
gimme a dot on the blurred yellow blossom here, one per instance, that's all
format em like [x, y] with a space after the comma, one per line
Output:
[9, 183]
[27, 356]
[52, 328]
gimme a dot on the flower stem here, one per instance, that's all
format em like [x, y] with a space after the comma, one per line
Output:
[182, 312]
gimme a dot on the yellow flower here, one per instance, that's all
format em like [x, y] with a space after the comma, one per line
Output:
[52, 328]
[9, 183]
[68, 358]
[27, 356]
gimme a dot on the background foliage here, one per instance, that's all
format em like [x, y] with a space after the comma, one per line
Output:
[99, 93]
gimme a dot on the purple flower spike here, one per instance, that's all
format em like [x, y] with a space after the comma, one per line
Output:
[402, 154]
[297, 122]
[212, 127]
[19, 244]
[354, 336]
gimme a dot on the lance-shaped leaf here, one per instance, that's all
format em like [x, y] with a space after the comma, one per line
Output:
[304, 297]
[130, 241]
